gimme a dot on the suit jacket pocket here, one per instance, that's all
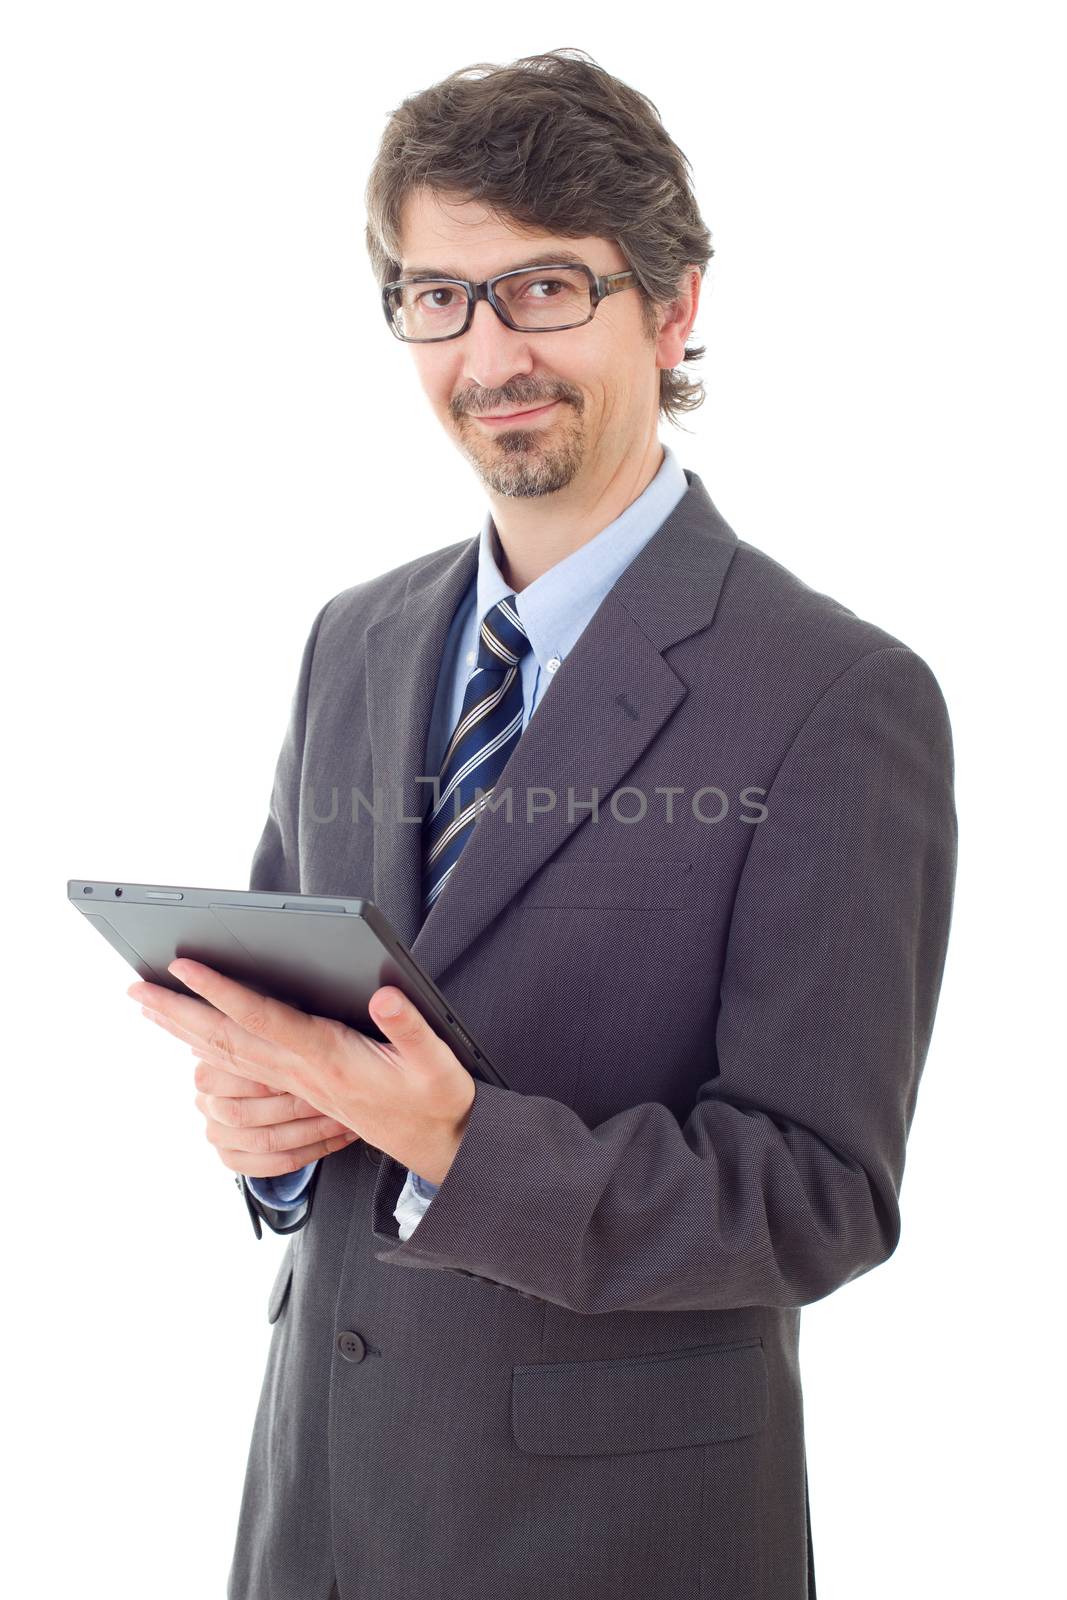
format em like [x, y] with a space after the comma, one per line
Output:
[697, 1396]
[280, 1290]
[626, 881]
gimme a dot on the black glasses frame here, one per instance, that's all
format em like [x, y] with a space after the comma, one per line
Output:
[599, 289]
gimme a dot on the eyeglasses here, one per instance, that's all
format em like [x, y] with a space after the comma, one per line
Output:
[528, 299]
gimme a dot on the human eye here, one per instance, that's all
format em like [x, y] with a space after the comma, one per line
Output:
[541, 283]
[437, 288]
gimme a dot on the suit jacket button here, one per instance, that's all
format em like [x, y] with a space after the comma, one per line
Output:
[351, 1346]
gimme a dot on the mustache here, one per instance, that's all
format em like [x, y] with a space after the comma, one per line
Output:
[482, 408]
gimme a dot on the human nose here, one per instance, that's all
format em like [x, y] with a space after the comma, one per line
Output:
[494, 352]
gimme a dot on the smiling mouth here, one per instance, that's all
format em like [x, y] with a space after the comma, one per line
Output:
[518, 417]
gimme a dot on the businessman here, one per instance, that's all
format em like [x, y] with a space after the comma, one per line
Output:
[676, 834]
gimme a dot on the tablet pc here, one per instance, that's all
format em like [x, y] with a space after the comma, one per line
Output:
[322, 954]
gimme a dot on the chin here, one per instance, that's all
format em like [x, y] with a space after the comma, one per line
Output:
[523, 462]
[526, 474]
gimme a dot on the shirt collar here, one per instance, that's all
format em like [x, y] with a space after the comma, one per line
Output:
[556, 607]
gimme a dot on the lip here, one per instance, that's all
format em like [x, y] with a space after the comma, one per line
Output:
[520, 418]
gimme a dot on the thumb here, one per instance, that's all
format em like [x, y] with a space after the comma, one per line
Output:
[399, 1020]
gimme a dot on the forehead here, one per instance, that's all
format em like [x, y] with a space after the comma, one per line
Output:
[462, 239]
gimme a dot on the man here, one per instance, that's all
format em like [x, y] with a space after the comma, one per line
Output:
[543, 1340]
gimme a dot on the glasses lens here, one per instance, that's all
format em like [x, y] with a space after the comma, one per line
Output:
[427, 309]
[435, 309]
[545, 299]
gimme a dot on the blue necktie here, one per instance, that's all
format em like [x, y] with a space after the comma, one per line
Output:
[489, 728]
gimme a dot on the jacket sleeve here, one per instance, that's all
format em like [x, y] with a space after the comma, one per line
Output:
[783, 1182]
[276, 869]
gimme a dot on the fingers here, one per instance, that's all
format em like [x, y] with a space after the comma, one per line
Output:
[219, 1086]
[267, 1020]
[263, 1111]
[274, 1138]
[213, 1079]
[277, 1166]
[260, 1132]
[257, 1111]
[214, 1037]
[198, 1041]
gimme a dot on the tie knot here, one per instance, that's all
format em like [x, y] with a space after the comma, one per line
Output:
[503, 640]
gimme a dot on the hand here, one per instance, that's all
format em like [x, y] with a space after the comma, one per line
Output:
[410, 1096]
[258, 1132]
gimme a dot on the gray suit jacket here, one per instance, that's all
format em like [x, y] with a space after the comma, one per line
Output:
[579, 1376]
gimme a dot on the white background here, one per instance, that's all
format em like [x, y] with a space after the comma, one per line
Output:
[208, 431]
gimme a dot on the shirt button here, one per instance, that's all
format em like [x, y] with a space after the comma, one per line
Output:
[471, 658]
[552, 664]
[351, 1346]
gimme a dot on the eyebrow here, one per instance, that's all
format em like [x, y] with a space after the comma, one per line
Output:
[542, 260]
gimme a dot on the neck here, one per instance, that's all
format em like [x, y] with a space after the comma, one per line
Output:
[534, 535]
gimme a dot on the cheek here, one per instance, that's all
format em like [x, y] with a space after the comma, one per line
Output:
[614, 404]
[436, 377]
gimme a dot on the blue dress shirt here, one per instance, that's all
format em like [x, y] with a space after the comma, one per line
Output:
[554, 610]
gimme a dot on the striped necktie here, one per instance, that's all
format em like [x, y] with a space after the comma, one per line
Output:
[489, 728]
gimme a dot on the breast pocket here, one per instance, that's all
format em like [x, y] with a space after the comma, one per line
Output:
[587, 963]
[699, 1396]
[627, 881]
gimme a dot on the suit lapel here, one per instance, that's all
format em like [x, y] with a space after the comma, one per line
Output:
[605, 705]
